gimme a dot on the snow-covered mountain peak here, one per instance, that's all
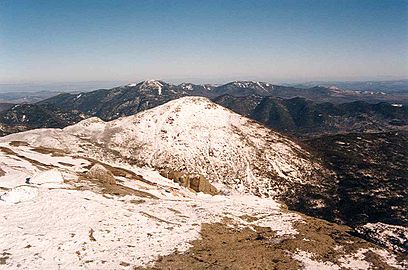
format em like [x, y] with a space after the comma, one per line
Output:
[333, 87]
[195, 135]
[251, 84]
[152, 85]
[243, 83]
[187, 86]
[190, 87]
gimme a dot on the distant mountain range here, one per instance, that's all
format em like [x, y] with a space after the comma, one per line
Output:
[389, 86]
[126, 100]
[295, 111]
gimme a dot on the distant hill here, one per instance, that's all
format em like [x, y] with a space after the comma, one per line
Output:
[302, 117]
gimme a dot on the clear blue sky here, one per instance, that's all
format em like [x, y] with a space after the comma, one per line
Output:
[207, 40]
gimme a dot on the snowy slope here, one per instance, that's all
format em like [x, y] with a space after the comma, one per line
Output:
[70, 224]
[192, 135]
[61, 219]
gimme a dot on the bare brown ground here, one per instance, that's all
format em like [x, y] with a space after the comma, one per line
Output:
[4, 257]
[36, 163]
[116, 171]
[18, 143]
[109, 188]
[52, 151]
[223, 247]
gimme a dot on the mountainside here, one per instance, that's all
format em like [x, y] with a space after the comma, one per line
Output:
[109, 104]
[22, 117]
[94, 214]
[312, 92]
[245, 88]
[369, 191]
[301, 117]
[195, 136]
[372, 173]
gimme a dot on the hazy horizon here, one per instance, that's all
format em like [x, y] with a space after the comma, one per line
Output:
[94, 85]
[77, 42]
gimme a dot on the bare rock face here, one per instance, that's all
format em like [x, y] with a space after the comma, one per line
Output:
[100, 173]
[199, 183]
[195, 182]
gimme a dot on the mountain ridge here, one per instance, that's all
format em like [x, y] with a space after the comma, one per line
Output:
[301, 117]
[109, 104]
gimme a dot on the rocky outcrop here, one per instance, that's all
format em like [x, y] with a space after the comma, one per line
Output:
[104, 177]
[100, 173]
[195, 182]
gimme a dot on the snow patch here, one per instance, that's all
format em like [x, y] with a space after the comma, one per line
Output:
[309, 263]
[355, 261]
[19, 194]
[50, 176]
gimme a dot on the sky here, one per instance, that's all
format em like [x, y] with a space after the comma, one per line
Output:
[202, 41]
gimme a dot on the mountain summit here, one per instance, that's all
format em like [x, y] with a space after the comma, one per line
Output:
[196, 136]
